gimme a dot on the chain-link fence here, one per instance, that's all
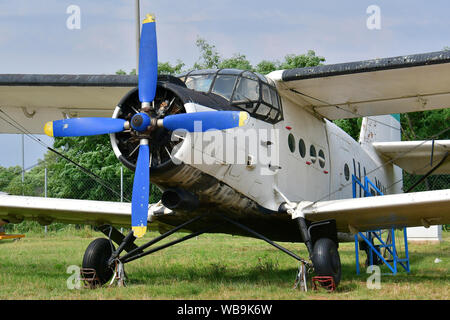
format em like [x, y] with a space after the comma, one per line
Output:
[38, 181]
[78, 184]
[434, 182]
[82, 185]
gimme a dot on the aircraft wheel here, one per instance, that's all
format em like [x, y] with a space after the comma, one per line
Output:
[96, 257]
[326, 259]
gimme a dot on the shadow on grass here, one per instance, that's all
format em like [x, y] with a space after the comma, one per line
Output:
[267, 274]
[216, 274]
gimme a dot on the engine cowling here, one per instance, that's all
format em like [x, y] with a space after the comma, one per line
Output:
[125, 144]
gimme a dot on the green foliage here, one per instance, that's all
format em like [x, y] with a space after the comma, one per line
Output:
[7, 175]
[93, 153]
[121, 72]
[238, 61]
[167, 68]
[426, 124]
[163, 68]
[310, 59]
[351, 126]
[291, 61]
[65, 180]
[266, 67]
[209, 56]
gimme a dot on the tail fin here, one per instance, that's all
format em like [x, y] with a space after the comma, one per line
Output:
[384, 128]
[380, 129]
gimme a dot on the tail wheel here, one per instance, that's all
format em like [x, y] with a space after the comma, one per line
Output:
[96, 257]
[326, 259]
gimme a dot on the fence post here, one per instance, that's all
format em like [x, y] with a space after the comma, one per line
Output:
[45, 191]
[23, 164]
[121, 189]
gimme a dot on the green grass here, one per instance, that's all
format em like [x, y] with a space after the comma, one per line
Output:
[208, 267]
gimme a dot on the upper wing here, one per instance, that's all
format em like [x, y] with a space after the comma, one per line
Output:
[415, 156]
[389, 211]
[15, 209]
[33, 99]
[367, 88]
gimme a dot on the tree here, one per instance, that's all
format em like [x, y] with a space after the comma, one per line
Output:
[163, 68]
[209, 57]
[167, 68]
[350, 126]
[292, 61]
[7, 175]
[266, 67]
[238, 61]
[426, 124]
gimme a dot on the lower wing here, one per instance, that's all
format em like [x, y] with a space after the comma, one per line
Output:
[382, 212]
[15, 209]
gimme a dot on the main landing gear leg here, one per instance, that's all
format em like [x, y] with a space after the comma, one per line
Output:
[104, 260]
[304, 266]
[321, 240]
[305, 236]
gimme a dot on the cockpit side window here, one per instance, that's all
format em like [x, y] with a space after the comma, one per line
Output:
[200, 83]
[266, 94]
[246, 95]
[224, 85]
[246, 90]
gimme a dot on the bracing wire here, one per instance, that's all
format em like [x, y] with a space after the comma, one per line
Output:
[12, 122]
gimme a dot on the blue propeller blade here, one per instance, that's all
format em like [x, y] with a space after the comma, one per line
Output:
[77, 127]
[148, 61]
[203, 121]
[140, 197]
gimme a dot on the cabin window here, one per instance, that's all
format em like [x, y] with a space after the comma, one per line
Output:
[302, 148]
[312, 154]
[321, 158]
[291, 142]
[346, 172]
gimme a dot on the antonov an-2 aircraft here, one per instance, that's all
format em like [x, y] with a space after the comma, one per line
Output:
[240, 153]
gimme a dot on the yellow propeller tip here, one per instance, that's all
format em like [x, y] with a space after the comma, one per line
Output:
[139, 232]
[243, 118]
[149, 18]
[48, 129]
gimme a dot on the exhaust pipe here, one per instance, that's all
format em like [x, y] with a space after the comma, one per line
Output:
[179, 199]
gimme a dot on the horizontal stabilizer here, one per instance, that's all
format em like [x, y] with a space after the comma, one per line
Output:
[416, 157]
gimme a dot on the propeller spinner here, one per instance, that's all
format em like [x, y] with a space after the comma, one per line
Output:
[142, 122]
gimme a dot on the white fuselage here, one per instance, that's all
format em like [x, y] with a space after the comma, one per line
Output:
[292, 175]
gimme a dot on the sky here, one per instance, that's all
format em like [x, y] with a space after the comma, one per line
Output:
[35, 36]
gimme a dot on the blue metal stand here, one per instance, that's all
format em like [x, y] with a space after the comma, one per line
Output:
[370, 236]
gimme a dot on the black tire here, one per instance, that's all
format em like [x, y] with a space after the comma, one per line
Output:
[96, 257]
[326, 259]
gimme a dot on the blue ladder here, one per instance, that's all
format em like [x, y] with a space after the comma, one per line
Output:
[371, 235]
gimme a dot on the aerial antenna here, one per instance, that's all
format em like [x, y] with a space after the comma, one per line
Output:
[138, 32]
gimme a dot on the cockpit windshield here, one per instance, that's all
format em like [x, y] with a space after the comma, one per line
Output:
[243, 89]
